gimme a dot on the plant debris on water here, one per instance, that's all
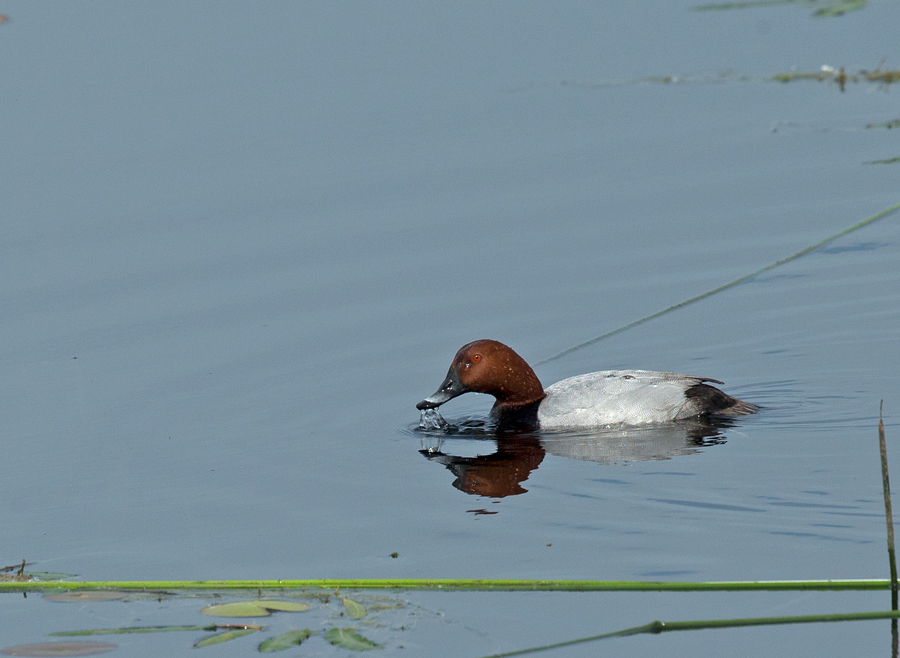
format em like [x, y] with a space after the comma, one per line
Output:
[841, 77]
[824, 8]
[59, 649]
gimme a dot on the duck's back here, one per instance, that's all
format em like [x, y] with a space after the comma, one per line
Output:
[631, 397]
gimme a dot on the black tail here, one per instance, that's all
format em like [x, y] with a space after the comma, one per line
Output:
[711, 401]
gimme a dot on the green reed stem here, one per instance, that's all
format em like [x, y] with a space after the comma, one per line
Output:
[888, 514]
[656, 627]
[474, 585]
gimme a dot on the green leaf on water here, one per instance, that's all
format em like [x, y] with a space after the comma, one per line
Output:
[236, 609]
[354, 609]
[259, 608]
[225, 637]
[132, 629]
[284, 641]
[347, 638]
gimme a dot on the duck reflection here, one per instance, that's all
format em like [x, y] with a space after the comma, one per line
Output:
[496, 475]
[517, 454]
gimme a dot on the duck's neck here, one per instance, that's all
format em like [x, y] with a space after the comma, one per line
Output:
[517, 385]
[522, 416]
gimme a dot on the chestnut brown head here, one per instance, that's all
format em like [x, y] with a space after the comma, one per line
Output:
[488, 366]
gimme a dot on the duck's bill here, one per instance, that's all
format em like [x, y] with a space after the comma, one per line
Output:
[436, 400]
[449, 389]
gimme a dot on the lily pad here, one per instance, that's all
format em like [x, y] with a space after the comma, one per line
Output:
[53, 649]
[88, 596]
[354, 609]
[284, 641]
[347, 638]
[225, 637]
[258, 608]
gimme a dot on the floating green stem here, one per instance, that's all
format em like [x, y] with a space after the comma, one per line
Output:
[888, 514]
[656, 627]
[475, 585]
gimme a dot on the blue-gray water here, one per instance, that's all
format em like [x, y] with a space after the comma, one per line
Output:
[239, 242]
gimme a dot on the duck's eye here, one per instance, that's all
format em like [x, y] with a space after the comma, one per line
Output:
[476, 358]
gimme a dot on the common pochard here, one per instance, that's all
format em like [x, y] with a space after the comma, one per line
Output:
[608, 397]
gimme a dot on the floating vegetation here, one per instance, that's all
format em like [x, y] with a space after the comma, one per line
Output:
[354, 609]
[884, 77]
[20, 576]
[347, 638]
[824, 8]
[493, 584]
[284, 641]
[890, 124]
[837, 8]
[135, 629]
[819, 76]
[888, 161]
[226, 636]
[259, 608]
[228, 632]
[700, 78]
[840, 76]
[48, 575]
[81, 597]
[745, 5]
[58, 649]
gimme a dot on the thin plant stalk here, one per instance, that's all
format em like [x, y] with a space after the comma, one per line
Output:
[657, 627]
[889, 520]
[726, 286]
[889, 516]
[475, 585]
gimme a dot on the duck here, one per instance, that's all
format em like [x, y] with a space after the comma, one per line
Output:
[598, 399]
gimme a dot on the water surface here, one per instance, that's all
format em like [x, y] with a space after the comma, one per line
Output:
[239, 243]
